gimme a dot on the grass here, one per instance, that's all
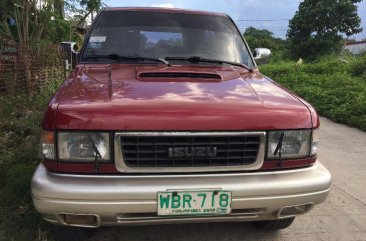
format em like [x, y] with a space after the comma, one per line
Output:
[336, 88]
[20, 120]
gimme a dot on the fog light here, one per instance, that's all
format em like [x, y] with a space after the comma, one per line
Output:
[295, 210]
[83, 220]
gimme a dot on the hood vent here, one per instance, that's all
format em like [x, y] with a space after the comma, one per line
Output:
[173, 75]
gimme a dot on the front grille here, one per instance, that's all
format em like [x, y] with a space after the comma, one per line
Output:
[189, 151]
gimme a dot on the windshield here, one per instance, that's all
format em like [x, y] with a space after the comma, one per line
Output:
[162, 35]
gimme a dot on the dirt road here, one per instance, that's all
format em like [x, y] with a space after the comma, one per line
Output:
[342, 217]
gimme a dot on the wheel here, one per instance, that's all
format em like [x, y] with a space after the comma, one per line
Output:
[64, 233]
[274, 224]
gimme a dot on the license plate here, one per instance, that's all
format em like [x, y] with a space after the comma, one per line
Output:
[187, 203]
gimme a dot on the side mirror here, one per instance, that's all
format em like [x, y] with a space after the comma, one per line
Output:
[75, 48]
[69, 52]
[262, 56]
[75, 55]
[75, 59]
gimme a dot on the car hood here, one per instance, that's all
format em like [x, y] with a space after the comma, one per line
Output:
[155, 97]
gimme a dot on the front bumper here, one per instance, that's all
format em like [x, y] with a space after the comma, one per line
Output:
[132, 199]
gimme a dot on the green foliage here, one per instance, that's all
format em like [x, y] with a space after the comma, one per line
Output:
[20, 121]
[27, 21]
[81, 7]
[335, 88]
[358, 68]
[258, 38]
[318, 25]
[60, 30]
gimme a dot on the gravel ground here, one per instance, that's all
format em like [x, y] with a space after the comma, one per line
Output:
[342, 217]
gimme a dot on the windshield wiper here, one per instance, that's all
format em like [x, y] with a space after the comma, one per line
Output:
[279, 149]
[126, 57]
[197, 59]
[97, 153]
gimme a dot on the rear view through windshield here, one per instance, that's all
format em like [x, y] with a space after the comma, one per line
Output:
[162, 35]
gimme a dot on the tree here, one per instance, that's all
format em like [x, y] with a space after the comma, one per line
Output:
[258, 38]
[59, 6]
[29, 22]
[318, 26]
[34, 21]
[81, 9]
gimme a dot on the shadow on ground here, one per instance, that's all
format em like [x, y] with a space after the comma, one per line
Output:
[206, 231]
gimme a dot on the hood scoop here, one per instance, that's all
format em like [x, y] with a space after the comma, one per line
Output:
[178, 75]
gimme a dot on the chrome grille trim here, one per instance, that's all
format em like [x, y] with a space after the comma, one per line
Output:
[122, 167]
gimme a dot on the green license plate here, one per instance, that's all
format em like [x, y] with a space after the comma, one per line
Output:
[187, 203]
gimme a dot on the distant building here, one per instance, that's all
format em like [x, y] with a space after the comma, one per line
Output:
[356, 47]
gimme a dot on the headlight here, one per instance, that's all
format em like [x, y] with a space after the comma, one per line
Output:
[295, 144]
[83, 146]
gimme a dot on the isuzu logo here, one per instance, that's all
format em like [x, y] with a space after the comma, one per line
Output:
[177, 152]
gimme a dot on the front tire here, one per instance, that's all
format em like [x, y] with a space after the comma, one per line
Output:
[65, 233]
[273, 225]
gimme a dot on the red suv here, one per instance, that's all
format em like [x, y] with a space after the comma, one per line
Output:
[166, 119]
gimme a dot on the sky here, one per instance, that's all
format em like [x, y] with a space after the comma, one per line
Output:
[242, 11]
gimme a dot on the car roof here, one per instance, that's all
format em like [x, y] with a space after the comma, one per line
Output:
[160, 9]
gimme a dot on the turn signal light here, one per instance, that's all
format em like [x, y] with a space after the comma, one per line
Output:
[48, 145]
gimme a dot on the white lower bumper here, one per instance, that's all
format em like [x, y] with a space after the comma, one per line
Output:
[132, 199]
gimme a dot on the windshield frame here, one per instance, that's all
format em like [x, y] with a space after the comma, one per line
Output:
[85, 42]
